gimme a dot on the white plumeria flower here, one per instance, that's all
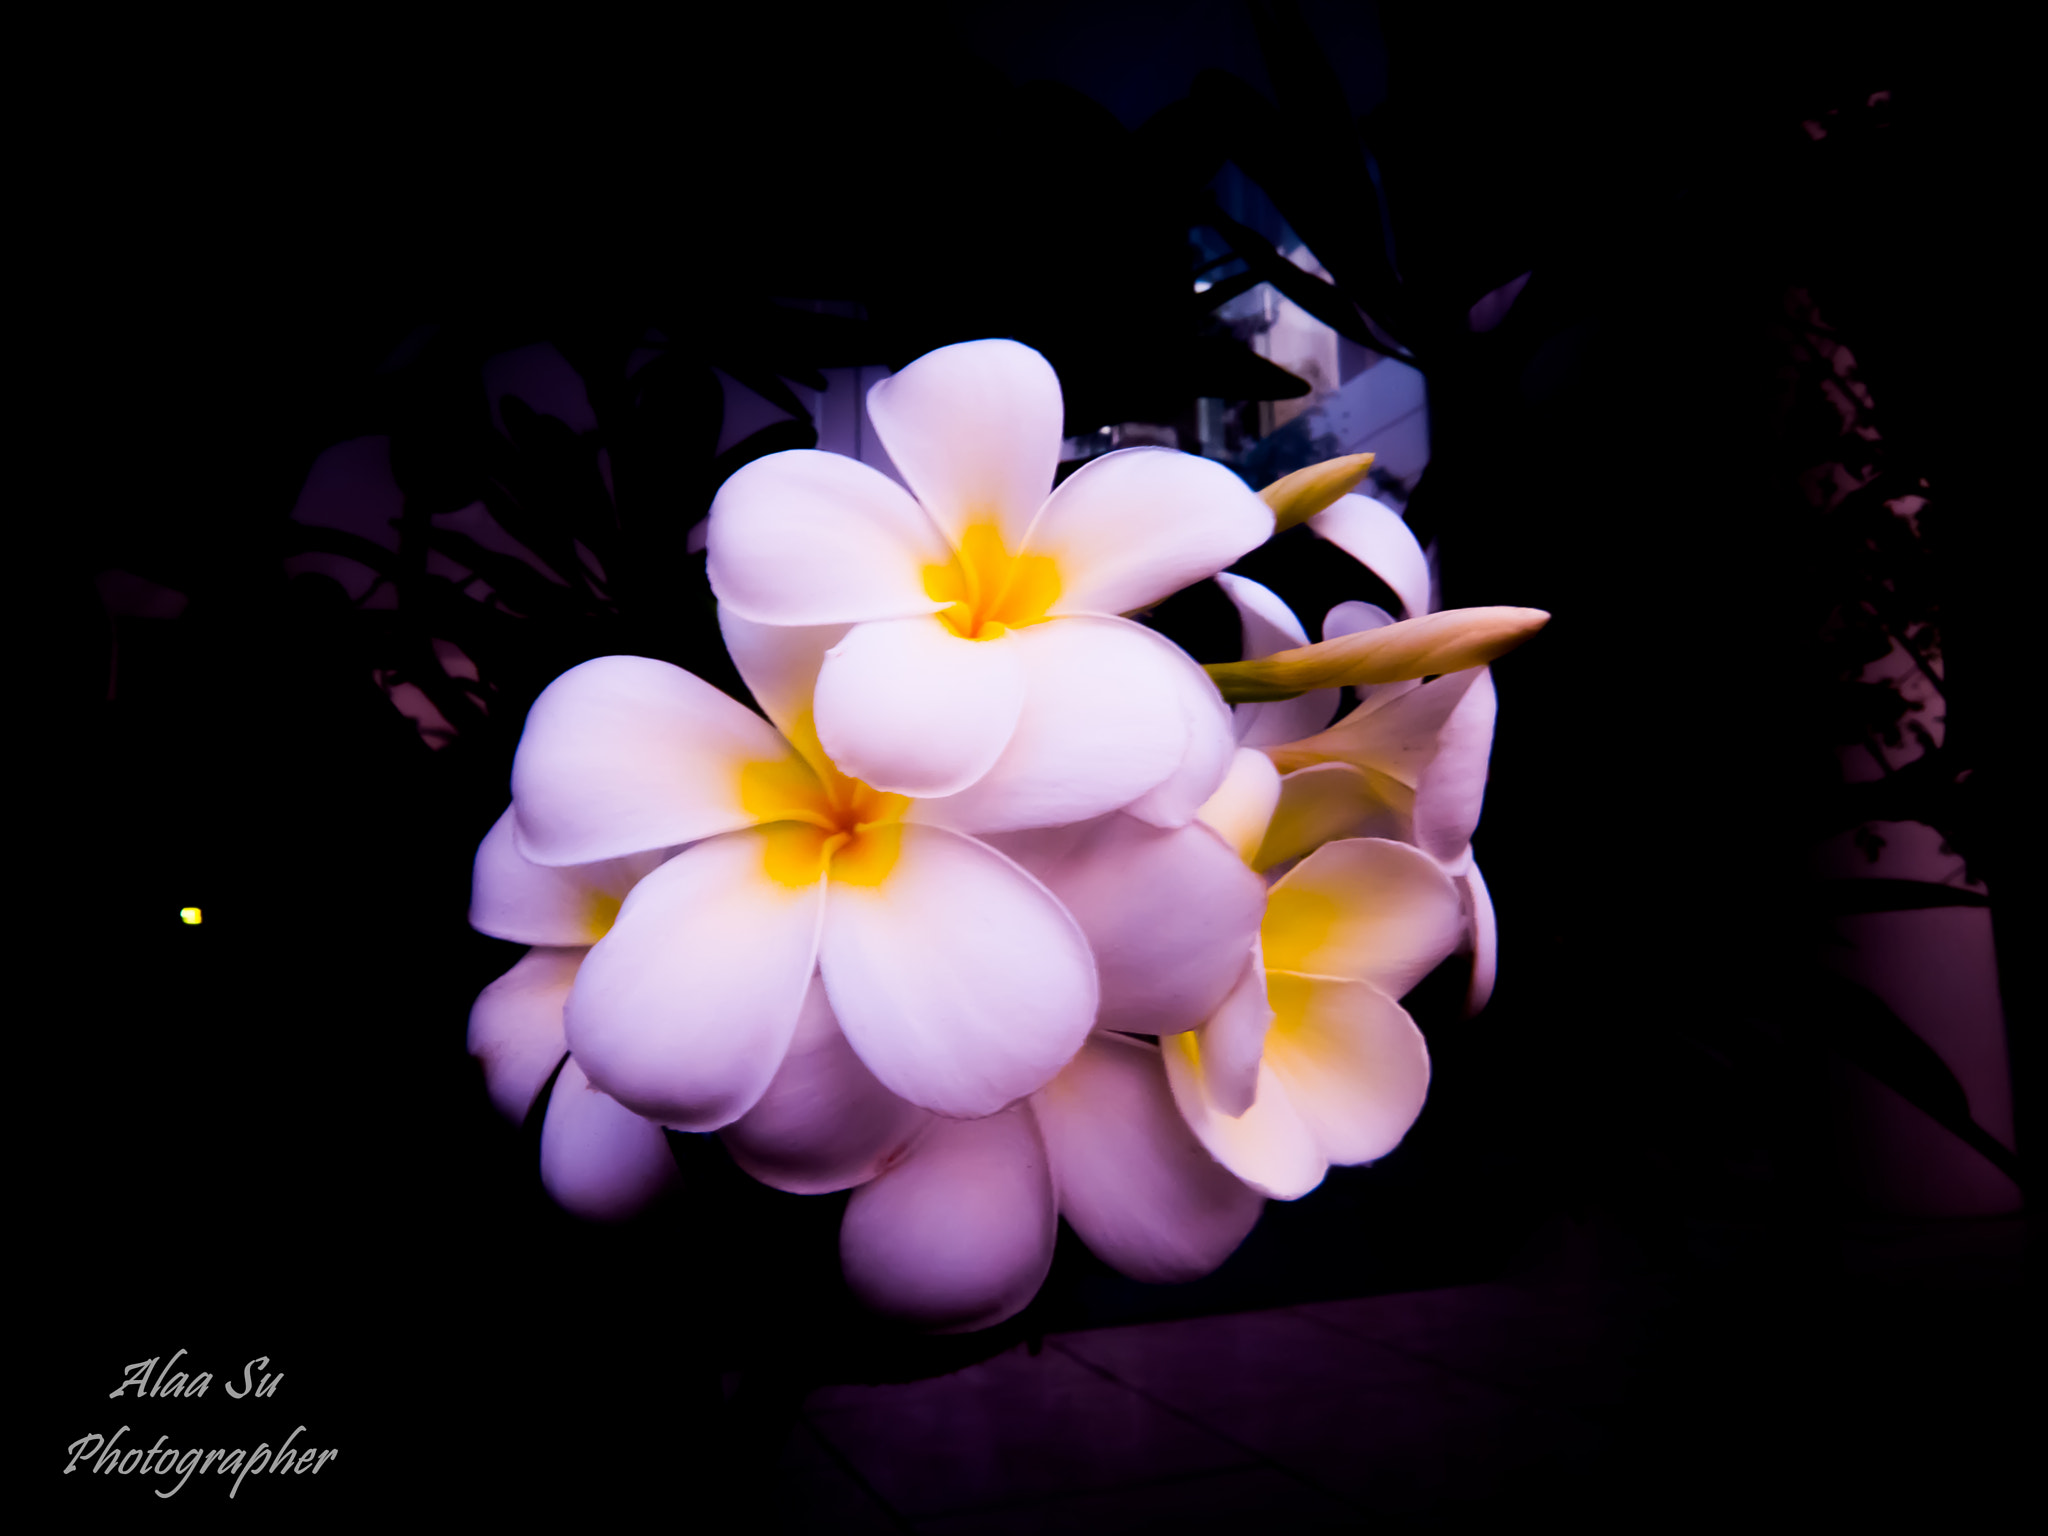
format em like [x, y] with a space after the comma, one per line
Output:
[597, 1158]
[960, 1233]
[986, 664]
[957, 978]
[1312, 1061]
[1167, 913]
[1409, 763]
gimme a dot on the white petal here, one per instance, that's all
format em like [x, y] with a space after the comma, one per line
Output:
[515, 1027]
[1328, 801]
[813, 538]
[624, 754]
[685, 1010]
[511, 897]
[960, 1234]
[1233, 1040]
[909, 707]
[1485, 941]
[1269, 625]
[1353, 1063]
[779, 663]
[1166, 914]
[975, 428]
[958, 978]
[824, 1123]
[1133, 1181]
[1243, 805]
[1354, 618]
[1104, 721]
[597, 1158]
[1269, 1146]
[1373, 534]
[1211, 746]
[1452, 784]
[1137, 525]
[1363, 910]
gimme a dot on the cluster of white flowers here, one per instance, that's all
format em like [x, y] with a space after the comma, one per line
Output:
[980, 922]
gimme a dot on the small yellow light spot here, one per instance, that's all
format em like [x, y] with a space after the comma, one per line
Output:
[189, 916]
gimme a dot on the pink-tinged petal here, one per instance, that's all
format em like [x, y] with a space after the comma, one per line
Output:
[1485, 940]
[1452, 784]
[624, 754]
[1373, 534]
[685, 1011]
[779, 663]
[1353, 1063]
[975, 428]
[1137, 525]
[1166, 914]
[1243, 805]
[958, 978]
[511, 897]
[598, 1159]
[1233, 1040]
[1363, 910]
[959, 1235]
[909, 707]
[1329, 801]
[1269, 625]
[1269, 1146]
[805, 537]
[515, 1027]
[825, 1123]
[1104, 721]
[1133, 1181]
[1354, 618]
[1211, 747]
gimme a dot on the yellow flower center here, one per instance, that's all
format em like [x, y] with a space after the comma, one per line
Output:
[820, 823]
[991, 590]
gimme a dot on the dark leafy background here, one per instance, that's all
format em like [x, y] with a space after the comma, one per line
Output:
[262, 1136]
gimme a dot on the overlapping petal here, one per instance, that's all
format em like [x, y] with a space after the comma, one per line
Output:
[1270, 625]
[1167, 913]
[1327, 801]
[1269, 1146]
[959, 980]
[1242, 808]
[1136, 525]
[1178, 798]
[1353, 1064]
[1232, 1041]
[686, 1008]
[825, 1122]
[780, 663]
[806, 537]
[1104, 721]
[625, 754]
[511, 897]
[1131, 1178]
[1363, 910]
[975, 429]
[959, 1235]
[1485, 941]
[515, 1027]
[911, 708]
[1377, 537]
[598, 1159]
